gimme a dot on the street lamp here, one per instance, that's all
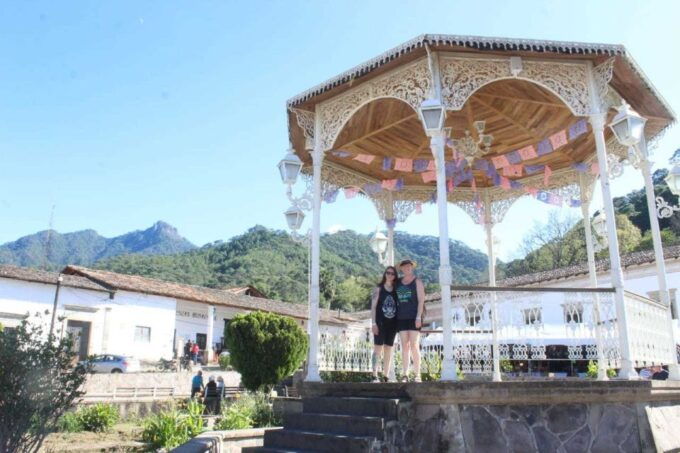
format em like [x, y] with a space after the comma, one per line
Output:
[663, 209]
[294, 217]
[432, 115]
[378, 242]
[628, 126]
[290, 167]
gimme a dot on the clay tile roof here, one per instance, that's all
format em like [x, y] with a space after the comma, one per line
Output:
[135, 283]
[28, 274]
[630, 259]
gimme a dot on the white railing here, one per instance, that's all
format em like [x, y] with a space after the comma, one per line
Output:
[651, 340]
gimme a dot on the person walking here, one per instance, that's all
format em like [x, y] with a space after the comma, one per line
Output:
[384, 315]
[410, 309]
[197, 384]
[194, 353]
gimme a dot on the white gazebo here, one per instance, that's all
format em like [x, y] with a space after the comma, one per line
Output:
[479, 123]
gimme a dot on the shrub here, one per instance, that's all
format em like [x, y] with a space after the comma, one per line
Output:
[224, 361]
[69, 423]
[265, 348]
[345, 376]
[165, 430]
[591, 372]
[250, 410]
[506, 366]
[97, 418]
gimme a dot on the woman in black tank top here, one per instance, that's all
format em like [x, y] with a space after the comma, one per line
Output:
[384, 315]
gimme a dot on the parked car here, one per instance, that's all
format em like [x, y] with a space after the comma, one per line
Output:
[108, 363]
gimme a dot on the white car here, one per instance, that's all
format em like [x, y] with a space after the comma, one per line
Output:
[109, 363]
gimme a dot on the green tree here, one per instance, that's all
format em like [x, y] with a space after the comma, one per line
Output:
[265, 348]
[38, 383]
[352, 295]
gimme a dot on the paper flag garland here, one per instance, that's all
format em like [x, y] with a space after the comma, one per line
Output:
[528, 152]
[351, 192]
[577, 129]
[387, 163]
[331, 196]
[403, 165]
[544, 147]
[429, 176]
[364, 158]
[419, 208]
[558, 139]
[389, 184]
[500, 161]
[420, 165]
[595, 168]
[546, 175]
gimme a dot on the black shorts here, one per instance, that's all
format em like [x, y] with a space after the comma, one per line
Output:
[386, 333]
[406, 324]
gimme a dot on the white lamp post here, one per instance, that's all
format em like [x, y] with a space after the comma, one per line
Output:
[432, 115]
[290, 167]
[378, 242]
[628, 127]
[294, 217]
[663, 209]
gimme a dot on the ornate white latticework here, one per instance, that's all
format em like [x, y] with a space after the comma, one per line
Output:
[602, 74]
[461, 77]
[305, 120]
[650, 341]
[411, 84]
[342, 353]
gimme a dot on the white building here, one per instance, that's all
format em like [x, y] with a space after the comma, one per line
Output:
[131, 315]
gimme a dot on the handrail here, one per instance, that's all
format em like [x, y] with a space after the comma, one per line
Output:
[531, 289]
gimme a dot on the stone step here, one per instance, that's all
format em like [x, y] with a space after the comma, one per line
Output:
[355, 425]
[371, 407]
[315, 441]
[272, 450]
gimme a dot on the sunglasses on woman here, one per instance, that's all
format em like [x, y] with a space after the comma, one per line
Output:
[390, 273]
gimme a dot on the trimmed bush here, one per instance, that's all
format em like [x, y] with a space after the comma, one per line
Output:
[265, 348]
[224, 362]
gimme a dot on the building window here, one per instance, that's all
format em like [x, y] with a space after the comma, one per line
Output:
[532, 316]
[573, 313]
[142, 334]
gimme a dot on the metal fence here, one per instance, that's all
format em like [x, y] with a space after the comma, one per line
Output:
[490, 324]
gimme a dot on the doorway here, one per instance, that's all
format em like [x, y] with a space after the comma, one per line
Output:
[81, 337]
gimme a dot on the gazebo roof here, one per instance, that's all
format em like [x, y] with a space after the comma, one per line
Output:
[531, 95]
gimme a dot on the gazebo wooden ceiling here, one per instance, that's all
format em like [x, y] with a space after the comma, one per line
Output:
[516, 112]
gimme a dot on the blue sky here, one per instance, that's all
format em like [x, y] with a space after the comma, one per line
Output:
[123, 113]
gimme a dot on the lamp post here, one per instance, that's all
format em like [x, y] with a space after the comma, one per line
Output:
[432, 115]
[628, 127]
[599, 224]
[663, 209]
[378, 242]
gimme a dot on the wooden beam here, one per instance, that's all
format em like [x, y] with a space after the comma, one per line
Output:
[510, 119]
[512, 98]
[379, 130]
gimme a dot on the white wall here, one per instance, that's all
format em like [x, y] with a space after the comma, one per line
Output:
[112, 321]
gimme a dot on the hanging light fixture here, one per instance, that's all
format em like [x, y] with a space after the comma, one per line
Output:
[294, 217]
[378, 243]
[432, 114]
[599, 224]
[628, 126]
[290, 167]
[469, 147]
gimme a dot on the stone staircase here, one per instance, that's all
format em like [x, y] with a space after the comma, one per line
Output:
[332, 424]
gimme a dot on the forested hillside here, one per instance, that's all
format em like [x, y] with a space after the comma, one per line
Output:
[277, 265]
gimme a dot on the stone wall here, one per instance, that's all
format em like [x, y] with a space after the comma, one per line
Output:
[223, 441]
[562, 416]
[98, 384]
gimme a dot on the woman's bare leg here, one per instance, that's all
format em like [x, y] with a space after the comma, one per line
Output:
[414, 343]
[387, 360]
[405, 351]
[375, 359]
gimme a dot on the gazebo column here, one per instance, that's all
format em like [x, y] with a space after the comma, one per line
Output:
[209, 335]
[491, 253]
[597, 120]
[664, 296]
[586, 196]
[437, 142]
[314, 292]
[390, 223]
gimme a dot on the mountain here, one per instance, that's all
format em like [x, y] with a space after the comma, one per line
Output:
[52, 250]
[271, 261]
